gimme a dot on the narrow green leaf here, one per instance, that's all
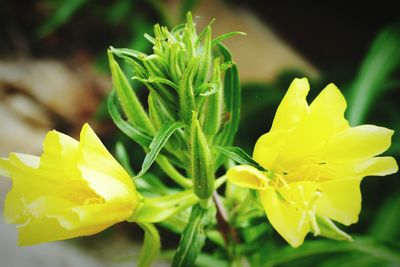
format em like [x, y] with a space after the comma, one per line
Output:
[364, 245]
[203, 32]
[214, 104]
[64, 11]
[330, 230]
[193, 238]
[176, 147]
[135, 134]
[239, 156]
[174, 62]
[150, 38]
[129, 102]
[189, 41]
[385, 226]
[155, 79]
[151, 245]
[382, 60]
[151, 186]
[232, 97]
[205, 260]
[158, 209]
[186, 94]
[128, 52]
[123, 157]
[178, 29]
[232, 94]
[190, 26]
[225, 36]
[173, 173]
[205, 59]
[159, 140]
[156, 66]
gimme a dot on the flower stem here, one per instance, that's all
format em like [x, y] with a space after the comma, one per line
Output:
[170, 170]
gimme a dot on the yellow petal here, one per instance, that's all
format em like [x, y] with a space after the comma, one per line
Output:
[358, 144]
[286, 220]
[268, 148]
[340, 200]
[93, 155]
[377, 166]
[50, 206]
[106, 186]
[25, 186]
[105, 214]
[247, 176]
[28, 160]
[308, 139]
[293, 106]
[60, 154]
[48, 229]
[328, 109]
[4, 167]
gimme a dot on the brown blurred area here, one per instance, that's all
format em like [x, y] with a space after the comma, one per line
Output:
[50, 82]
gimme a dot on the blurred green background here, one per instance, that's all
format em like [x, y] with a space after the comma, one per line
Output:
[54, 74]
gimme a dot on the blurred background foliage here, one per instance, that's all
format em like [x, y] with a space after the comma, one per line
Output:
[356, 47]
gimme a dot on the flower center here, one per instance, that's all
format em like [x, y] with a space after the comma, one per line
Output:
[79, 193]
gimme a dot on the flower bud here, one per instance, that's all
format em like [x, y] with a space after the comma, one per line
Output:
[202, 170]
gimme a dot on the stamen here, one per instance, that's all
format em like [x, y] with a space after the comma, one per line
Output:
[282, 180]
[302, 221]
[314, 224]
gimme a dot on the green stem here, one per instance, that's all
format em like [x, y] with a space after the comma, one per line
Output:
[220, 181]
[170, 170]
[242, 205]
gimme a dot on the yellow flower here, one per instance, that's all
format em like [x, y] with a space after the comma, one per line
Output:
[315, 162]
[73, 189]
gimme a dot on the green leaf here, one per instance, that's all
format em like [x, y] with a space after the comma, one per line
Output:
[64, 11]
[186, 94]
[135, 134]
[157, 67]
[129, 102]
[158, 209]
[382, 60]
[205, 260]
[123, 157]
[151, 245]
[224, 36]
[238, 155]
[214, 104]
[330, 230]
[386, 224]
[128, 52]
[154, 79]
[159, 140]
[193, 238]
[151, 186]
[363, 245]
[232, 95]
[205, 59]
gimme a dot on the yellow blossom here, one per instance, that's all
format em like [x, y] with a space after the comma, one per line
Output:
[73, 189]
[315, 162]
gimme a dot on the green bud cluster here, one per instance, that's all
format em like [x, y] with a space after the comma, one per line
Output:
[191, 79]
